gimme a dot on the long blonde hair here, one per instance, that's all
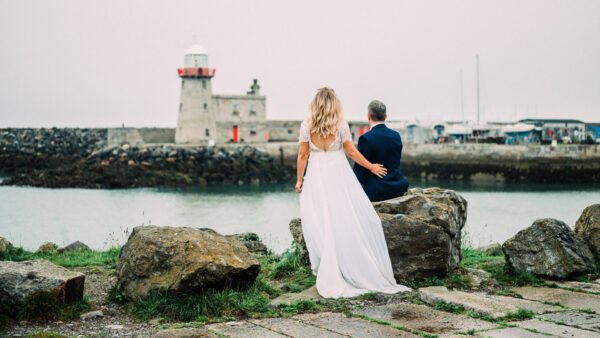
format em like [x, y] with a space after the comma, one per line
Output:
[325, 113]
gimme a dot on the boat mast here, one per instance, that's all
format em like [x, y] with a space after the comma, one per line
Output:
[462, 100]
[478, 104]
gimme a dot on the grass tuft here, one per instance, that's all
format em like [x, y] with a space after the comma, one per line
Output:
[178, 306]
[521, 314]
[449, 307]
[66, 259]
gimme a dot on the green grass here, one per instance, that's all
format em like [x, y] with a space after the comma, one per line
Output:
[448, 307]
[508, 293]
[45, 306]
[208, 304]
[66, 259]
[457, 281]
[501, 271]
[422, 283]
[521, 314]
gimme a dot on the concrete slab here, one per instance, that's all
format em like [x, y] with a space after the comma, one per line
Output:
[493, 306]
[574, 300]
[294, 328]
[242, 329]
[511, 332]
[587, 321]
[355, 327]
[424, 318]
[185, 333]
[581, 286]
[556, 329]
[291, 298]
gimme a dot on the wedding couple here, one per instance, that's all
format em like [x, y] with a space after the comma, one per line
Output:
[343, 233]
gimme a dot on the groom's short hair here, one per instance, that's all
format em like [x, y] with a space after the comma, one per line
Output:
[377, 110]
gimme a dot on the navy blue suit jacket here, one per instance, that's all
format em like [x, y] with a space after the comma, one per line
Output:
[384, 146]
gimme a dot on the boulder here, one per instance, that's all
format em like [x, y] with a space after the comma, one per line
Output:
[422, 231]
[494, 249]
[587, 229]
[5, 246]
[548, 248]
[47, 247]
[182, 259]
[251, 241]
[19, 280]
[75, 246]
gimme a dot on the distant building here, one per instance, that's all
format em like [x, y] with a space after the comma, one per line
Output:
[564, 130]
[210, 118]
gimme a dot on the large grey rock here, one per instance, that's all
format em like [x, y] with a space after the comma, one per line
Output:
[5, 246]
[75, 246]
[19, 280]
[47, 247]
[494, 249]
[422, 231]
[310, 294]
[549, 248]
[298, 236]
[182, 259]
[587, 229]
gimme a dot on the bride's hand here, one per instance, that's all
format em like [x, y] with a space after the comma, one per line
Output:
[378, 170]
[298, 187]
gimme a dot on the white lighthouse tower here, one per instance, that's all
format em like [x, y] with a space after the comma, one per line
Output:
[195, 122]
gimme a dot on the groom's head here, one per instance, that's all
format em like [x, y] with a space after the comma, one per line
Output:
[377, 111]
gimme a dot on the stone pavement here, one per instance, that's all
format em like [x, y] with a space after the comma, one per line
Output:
[557, 312]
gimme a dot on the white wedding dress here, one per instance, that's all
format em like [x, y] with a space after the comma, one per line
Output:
[343, 233]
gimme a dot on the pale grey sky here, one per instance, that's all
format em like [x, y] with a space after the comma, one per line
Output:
[100, 63]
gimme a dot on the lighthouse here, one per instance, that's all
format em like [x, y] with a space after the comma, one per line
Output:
[207, 118]
[196, 123]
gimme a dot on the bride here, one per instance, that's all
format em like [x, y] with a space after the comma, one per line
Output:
[343, 233]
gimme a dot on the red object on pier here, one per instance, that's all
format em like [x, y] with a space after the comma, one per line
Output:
[362, 130]
[196, 72]
[236, 134]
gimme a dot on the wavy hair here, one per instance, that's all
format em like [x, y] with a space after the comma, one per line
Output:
[325, 113]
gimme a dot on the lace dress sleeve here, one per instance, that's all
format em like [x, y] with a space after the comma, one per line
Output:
[345, 134]
[304, 132]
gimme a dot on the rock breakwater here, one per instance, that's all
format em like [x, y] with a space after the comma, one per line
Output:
[160, 165]
[23, 149]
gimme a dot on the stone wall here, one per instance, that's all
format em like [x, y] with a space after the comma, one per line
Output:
[503, 163]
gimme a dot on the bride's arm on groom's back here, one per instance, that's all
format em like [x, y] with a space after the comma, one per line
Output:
[303, 152]
[357, 157]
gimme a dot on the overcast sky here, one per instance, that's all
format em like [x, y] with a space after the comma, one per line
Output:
[102, 63]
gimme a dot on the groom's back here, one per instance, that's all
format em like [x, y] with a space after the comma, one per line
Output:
[384, 146]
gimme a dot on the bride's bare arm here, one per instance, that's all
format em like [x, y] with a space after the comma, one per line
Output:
[303, 152]
[356, 156]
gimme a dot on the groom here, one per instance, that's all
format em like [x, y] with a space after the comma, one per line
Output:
[384, 146]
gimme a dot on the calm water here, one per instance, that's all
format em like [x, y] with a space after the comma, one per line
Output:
[100, 218]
